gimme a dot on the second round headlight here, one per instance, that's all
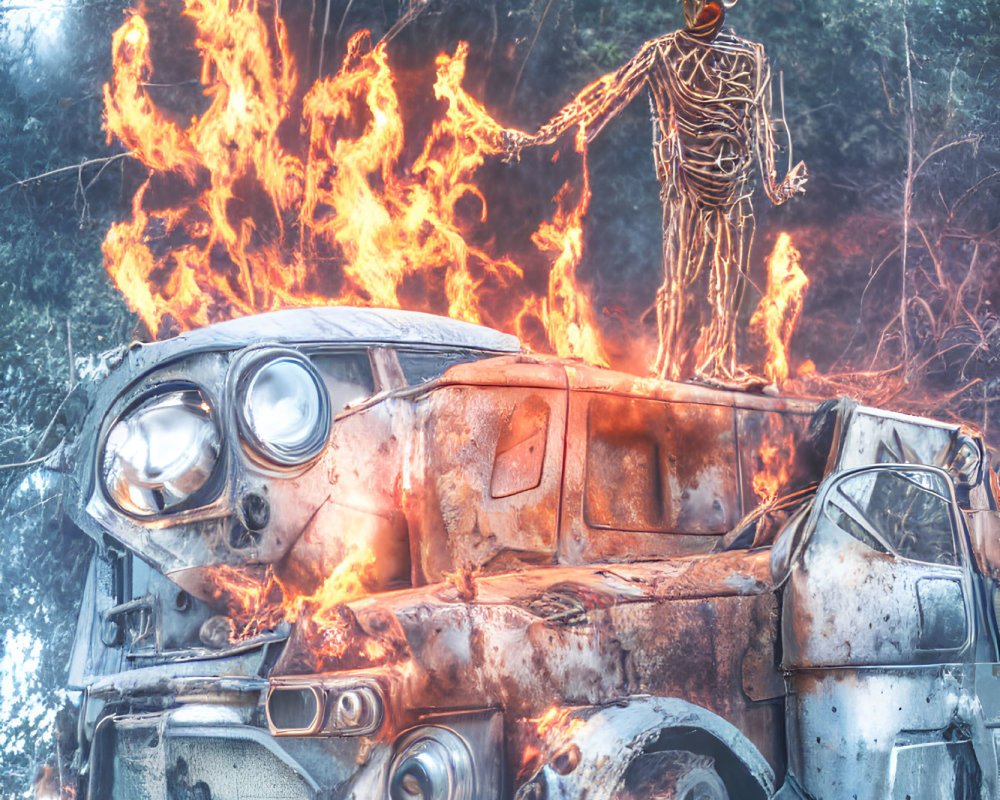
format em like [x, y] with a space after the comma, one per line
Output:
[432, 763]
[284, 410]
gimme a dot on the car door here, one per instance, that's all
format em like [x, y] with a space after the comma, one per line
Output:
[878, 633]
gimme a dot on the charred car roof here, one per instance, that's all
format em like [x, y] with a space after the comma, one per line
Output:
[331, 325]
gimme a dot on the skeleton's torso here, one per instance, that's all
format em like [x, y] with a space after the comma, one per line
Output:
[705, 94]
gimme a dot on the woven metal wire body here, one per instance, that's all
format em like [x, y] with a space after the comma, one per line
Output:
[710, 94]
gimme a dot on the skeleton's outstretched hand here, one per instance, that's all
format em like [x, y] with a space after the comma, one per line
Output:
[512, 142]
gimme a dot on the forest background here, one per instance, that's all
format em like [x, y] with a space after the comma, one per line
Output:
[893, 104]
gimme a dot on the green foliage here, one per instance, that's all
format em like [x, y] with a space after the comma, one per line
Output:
[57, 305]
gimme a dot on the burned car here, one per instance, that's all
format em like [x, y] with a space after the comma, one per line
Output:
[356, 553]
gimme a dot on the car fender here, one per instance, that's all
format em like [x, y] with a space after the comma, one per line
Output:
[609, 737]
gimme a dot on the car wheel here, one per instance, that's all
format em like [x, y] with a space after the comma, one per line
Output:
[673, 775]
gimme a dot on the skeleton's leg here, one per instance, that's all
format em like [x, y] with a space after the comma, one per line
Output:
[667, 302]
[716, 357]
[684, 253]
[716, 348]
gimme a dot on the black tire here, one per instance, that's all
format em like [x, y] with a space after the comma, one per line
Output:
[673, 775]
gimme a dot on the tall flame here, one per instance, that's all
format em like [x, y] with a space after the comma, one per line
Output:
[778, 311]
[268, 216]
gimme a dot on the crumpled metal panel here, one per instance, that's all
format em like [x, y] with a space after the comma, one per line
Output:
[874, 436]
[346, 503]
[700, 628]
[686, 455]
[849, 731]
[467, 507]
[849, 605]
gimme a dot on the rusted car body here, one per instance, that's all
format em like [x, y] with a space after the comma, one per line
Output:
[564, 582]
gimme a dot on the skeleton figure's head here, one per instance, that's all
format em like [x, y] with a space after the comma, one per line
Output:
[692, 8]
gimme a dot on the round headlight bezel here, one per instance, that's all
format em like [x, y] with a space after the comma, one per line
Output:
[311, 444]
[197, 400]
[433, 757]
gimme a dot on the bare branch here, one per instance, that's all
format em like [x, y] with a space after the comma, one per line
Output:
[973, 140]
[29, 463]
[322, 41]
[531, 47]
[970, 191]
[77, 168]
[907, 195]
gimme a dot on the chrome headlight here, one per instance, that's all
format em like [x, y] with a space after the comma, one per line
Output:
[432, 763]
[284, 410]
[303, 710]
[356, 711]
[161, 452]
[294, 711]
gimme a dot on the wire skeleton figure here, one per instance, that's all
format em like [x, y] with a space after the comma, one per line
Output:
[711, 95]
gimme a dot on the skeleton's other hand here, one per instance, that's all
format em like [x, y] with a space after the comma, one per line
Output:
[795, 180]
[512, 142]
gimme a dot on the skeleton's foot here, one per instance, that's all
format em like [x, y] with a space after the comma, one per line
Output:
[740, 379]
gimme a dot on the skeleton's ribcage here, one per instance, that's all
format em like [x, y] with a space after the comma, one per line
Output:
[707, 150]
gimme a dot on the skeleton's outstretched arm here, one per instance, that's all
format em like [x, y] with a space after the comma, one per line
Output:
[595, 106]
[795, 179]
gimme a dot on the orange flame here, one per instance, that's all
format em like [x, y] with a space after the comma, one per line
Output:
[253, 598]
[778, 311]
[49, 784]
[333, 214]
[258, 600]
[568, 315]
[775, 463]
[547, 733]
[557, 720]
